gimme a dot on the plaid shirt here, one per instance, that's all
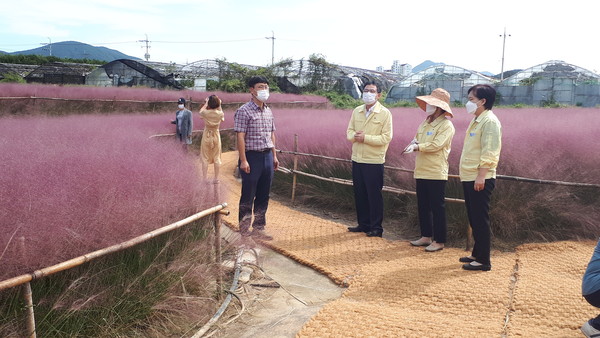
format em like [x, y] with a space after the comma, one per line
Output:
[257, 124]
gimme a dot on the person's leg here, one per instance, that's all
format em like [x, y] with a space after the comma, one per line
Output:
[360, 196]
[204, 169]
[467, 190]
[217, 168]
[480, 218]
[249, 185]
[438, 209]
[263, 188]
[373, 179]
[424, 209]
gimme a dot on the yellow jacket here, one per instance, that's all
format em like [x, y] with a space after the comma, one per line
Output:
[483, 142]
[435, 140]
[378, 133]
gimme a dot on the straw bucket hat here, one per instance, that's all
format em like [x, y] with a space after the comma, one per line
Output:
[439, 97]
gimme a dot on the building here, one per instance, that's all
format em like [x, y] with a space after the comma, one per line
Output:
[124, 72]
[60, 73]
[456, 80]
[552, 82]
[403, 69]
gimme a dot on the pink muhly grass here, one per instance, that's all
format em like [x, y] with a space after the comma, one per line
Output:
[138, 94]
[76, 184]
[540, 143]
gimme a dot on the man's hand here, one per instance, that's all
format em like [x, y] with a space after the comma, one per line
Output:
[245, 167]
[275, 163]
[359, 136]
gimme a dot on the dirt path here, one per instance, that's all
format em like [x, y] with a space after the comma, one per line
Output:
[398, 290]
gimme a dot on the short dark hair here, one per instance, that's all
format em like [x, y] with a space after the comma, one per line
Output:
[483, 91]
[372, 83]
[213, 102]
[257, 79]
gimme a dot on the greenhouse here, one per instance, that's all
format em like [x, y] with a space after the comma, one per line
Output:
[293, 76]
[552, 82]
[456, 80]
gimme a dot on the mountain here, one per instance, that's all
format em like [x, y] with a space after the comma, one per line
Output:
[78, 50]
[424, 65]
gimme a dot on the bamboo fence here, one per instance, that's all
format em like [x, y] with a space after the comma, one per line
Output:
[400, 191]
[77, 261]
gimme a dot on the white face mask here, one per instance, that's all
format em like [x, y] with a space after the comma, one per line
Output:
[429, 109]
[262, 95]
[181, 106]
[369, 98]
[471, 107]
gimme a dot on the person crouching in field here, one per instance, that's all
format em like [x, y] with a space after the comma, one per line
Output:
[432, 144]
[478, 162]
[370, 130]
[210, 146]
[183, 124]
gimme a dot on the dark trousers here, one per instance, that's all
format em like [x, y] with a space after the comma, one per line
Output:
[432, 208]
[255, 190]
[478, 211]
[367, 182]
[594, 300]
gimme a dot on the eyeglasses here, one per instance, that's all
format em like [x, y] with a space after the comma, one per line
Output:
[374, 91]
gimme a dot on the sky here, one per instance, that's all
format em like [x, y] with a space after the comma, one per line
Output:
[364, 34]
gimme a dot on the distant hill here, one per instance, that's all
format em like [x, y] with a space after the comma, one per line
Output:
[78, 50]
[424, 65]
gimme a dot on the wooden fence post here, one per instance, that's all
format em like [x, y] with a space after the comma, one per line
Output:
[26, 292]
[469, 236]
[218, 260]
[295, 168]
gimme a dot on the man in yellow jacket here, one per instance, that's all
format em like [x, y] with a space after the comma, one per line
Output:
[370, 131]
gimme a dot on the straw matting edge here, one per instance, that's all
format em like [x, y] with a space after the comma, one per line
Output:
[341, 281]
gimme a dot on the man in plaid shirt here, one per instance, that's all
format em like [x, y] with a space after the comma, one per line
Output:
[255, 128]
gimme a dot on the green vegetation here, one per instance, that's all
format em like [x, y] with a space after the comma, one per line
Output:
[12, 77]
[40, 60]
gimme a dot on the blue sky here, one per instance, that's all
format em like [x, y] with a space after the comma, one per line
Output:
[363, 34]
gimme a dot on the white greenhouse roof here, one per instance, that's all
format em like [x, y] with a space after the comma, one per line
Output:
[445, 72]
[551, 69]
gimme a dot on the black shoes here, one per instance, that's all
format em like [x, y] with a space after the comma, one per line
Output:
[466, 259]
[482, 267]
[370, 233]
[375, 233]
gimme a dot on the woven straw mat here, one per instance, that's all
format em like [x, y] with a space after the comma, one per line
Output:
[395, 290]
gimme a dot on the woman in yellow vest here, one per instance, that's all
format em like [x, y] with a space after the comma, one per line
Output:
[478, 163]
[432, 144]
[210, 147]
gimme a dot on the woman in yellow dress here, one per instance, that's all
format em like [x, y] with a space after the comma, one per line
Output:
[210, 147]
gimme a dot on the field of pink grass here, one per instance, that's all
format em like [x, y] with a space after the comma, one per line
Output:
[71, 185]
[137, 94]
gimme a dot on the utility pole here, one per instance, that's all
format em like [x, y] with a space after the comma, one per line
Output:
[272, 37]
[503, 36]
[146, 55]
[49, 44]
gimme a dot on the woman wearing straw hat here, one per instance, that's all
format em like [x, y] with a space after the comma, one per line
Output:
[432, 144]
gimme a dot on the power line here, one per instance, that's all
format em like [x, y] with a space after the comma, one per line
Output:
[213, 41]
